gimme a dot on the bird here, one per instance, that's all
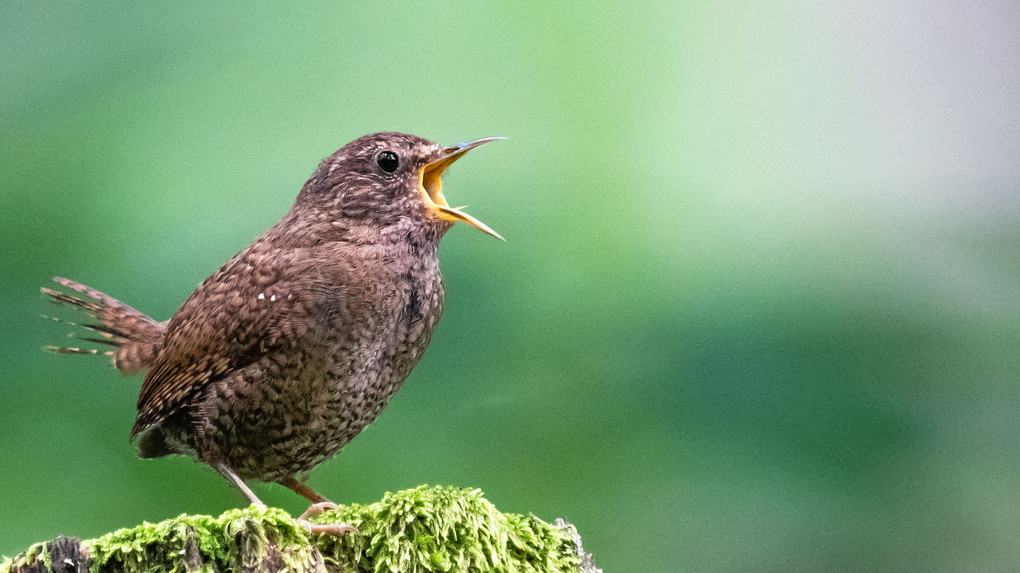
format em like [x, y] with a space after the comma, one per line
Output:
[296, 344]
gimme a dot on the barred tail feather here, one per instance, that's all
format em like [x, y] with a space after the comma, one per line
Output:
[135, 338]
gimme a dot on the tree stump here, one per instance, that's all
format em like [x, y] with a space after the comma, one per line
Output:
[425, 529]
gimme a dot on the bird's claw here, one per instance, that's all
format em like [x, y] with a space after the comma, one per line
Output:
[323, 528]
[327, 528]
[317, 508]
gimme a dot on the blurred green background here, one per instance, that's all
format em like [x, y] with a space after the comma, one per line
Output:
[758, 308]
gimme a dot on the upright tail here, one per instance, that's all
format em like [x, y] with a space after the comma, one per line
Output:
[135, 338]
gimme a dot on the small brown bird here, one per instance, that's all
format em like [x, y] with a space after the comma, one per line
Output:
[291, 348]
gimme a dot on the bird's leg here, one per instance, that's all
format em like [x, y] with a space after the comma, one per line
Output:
[304, 491]
[239, 484]
[319, 505]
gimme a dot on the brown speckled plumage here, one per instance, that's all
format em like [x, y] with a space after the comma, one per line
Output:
[292, 347]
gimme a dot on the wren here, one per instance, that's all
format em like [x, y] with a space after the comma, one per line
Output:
[296, 344]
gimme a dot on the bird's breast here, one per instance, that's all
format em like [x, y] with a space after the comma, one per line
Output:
[379, 332]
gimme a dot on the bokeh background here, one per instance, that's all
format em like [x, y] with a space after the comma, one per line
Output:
[758, 308]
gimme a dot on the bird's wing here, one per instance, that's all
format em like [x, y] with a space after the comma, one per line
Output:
[254, 305]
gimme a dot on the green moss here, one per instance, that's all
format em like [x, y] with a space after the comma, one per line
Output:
[239, 537]
[445, 529]
[32, 556]
[426, 529]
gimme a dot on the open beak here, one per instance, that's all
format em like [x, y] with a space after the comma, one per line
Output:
[429, 180]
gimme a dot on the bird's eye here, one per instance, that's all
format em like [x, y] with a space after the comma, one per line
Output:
[387, 161]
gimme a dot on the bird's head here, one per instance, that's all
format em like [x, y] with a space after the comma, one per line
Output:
[391, 181]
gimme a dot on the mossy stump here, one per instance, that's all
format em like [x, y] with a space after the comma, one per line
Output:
[440, 529]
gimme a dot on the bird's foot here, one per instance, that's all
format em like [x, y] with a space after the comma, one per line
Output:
[327, 528]
[323, 528]
[317, 508]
